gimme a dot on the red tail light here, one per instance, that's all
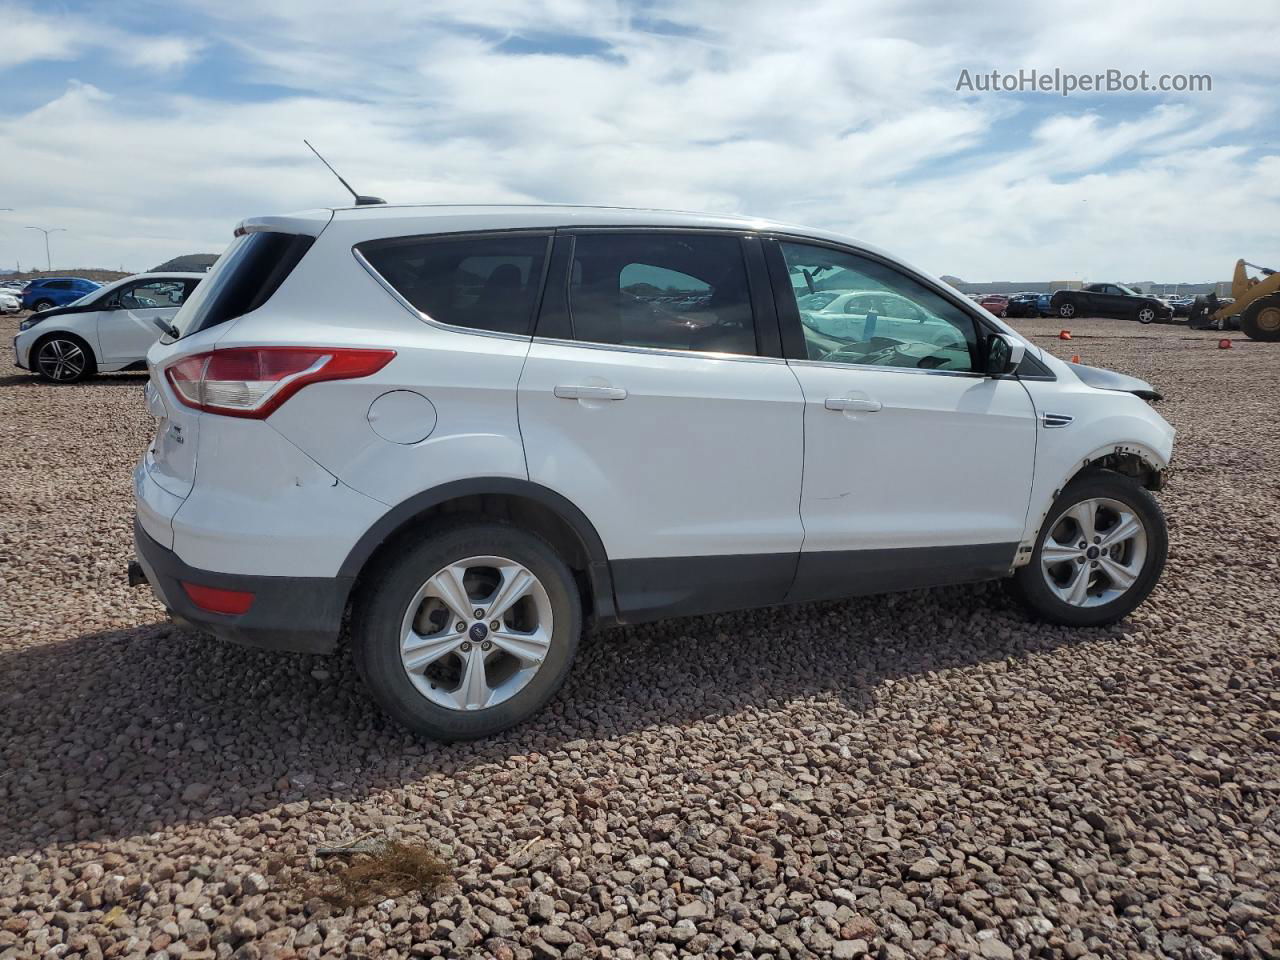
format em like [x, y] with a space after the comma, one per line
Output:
[254, 381]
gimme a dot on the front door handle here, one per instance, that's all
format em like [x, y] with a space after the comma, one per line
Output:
[575, 392]
[858, 404]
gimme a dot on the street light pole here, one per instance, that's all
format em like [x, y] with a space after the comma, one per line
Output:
[48, 260]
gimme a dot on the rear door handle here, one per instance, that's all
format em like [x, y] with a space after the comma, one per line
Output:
[853, 403]
[573, 392]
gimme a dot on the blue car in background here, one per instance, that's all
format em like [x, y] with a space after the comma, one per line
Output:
[45, 293]
[1042, 304]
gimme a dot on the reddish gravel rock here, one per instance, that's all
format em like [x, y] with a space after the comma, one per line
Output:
[929, 774]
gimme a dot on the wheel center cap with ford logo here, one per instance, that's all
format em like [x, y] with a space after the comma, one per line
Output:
[478, 632]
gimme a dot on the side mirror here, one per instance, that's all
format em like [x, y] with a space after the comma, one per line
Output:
[1003, 354]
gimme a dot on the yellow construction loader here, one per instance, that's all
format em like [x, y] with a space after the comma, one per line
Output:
[1255, 302]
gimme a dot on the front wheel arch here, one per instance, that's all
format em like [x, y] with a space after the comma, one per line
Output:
[1133, 460]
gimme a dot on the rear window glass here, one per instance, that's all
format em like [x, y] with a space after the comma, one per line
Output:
[249, 271]
[487, 283]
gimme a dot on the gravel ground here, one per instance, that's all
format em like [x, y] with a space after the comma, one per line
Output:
[928, 774]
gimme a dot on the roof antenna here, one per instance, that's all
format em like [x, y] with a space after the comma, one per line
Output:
[361, 201]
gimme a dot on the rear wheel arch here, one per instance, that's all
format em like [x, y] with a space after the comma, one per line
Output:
[521, 503]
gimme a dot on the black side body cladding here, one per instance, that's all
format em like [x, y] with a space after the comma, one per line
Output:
[833, 575]
[660, 587]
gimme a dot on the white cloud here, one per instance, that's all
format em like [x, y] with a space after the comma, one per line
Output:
[28, 37]
[160, 53]
[833, 116]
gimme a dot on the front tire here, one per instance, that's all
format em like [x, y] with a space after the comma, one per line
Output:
[1099, 554]
[1146, 314]
[468, 631]
[1261, 319]
[62, 358]
[1067, 310]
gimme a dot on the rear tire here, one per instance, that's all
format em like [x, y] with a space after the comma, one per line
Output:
[1113, 576]
[450, 684]
[1261, 319]
[40, 306]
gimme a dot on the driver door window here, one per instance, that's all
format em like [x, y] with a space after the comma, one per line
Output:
[858, 311]
[154, 295]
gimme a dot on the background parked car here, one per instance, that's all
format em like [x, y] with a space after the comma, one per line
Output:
[1181, 305]
[1042, 305]
[995, 303]
[1023, 305]
[9, 301]
[44, 293]
[109, 329]
[1110, 300]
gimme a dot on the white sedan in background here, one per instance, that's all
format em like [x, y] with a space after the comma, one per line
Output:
[109, 329]
[9, 301]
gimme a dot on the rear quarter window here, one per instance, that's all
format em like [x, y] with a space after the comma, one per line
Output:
[486, 283]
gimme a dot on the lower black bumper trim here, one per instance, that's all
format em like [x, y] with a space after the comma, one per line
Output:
[299, 614]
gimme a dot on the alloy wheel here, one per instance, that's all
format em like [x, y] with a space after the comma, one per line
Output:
[1094, 552]
[1146, 315]
[476, 633]
[61, 360]
[1067, 310]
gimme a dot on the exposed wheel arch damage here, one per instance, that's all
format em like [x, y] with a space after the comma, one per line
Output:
[1133, 460]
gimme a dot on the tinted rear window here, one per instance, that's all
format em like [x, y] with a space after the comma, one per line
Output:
[487, 283]
[249, 271]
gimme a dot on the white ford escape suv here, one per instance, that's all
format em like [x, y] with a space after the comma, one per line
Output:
[473, 429]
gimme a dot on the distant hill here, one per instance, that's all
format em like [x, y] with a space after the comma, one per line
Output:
[99, 276]
[188, 263]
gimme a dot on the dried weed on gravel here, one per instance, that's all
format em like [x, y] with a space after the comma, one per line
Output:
[390, 870]
[924, 775]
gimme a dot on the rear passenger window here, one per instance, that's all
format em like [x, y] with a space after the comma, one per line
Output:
[664, 290]
[487, 283]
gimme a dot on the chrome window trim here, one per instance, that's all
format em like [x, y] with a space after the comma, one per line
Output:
[657, 351]
[885, 369]
[440, 324]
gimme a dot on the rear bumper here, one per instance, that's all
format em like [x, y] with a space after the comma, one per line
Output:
[299, 614]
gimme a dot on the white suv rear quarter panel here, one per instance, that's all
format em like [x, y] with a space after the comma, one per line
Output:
[262, 506]
[470, 379]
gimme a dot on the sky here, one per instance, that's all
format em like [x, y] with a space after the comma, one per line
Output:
[146, 130]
